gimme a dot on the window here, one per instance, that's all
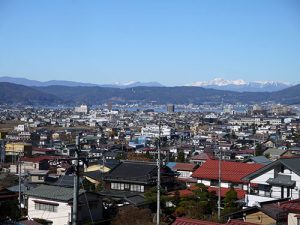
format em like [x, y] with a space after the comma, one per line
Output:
[126, 186]
[117, 186]
[137, 187]
[45, 206]
[214, 183]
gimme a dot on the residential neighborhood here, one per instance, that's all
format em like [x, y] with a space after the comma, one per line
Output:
[213, 168]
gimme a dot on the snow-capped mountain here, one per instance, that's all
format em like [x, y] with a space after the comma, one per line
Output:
[242, 85]
[131, 84]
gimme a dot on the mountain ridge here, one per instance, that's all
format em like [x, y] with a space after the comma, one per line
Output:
[51, 95]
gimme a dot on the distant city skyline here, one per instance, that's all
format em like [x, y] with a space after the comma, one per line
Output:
[170, 42]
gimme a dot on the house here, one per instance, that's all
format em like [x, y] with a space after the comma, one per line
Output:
[274, 153]
[37, 176]
[29, 163]
[136, 176]
[231, 173]
[201, 158]
[280, 179]
[185, 170]
[54, 204]
[266, 213]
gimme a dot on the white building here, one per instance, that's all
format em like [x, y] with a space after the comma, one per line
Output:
[82, 109]
[280, 179]
[54, 204]
[153, 131]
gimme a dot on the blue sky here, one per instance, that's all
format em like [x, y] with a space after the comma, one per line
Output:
[169, 41]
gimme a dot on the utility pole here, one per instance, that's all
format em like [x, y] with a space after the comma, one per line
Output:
[20, 181]
[219, 189]
[158, 177]
[76, 183]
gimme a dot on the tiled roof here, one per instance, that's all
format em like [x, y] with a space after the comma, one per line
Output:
[187, 221]
[52, 192]
[185, 166]
[202, 156]
[132, 171]
[239, 222]
[39, 158]
[293, 205]
[230, 171]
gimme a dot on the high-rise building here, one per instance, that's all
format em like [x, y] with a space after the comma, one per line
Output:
[170, 108]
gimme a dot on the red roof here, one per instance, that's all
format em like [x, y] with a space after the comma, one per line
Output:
[184, 166]
[202, 156]
[39, 158]
[187, 221]
[43, 149]
[239, 222]
[230, 171]
[293, 205]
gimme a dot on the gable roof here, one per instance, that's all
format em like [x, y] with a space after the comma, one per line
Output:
[230, 171]
[292, 163]
[52, 192]
[134, 171]
[260, 159]
[184, 166]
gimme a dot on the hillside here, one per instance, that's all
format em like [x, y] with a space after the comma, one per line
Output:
[160, 95]
[51, 95]
[19, 94]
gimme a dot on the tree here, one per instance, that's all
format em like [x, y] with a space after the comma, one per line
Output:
[258, 149]
[230, 201]
[180, 157]
[133, 216]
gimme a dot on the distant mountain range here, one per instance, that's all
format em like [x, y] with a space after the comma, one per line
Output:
[30, 83]
[241, 85]
[94, 95]
[217, 83]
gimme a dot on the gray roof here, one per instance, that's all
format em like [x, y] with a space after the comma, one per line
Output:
[136, 200]
[291, 163]
[133, 171]
[274, 151]
[281, 180]
[52, 193]
[129, 196]
[260, 160]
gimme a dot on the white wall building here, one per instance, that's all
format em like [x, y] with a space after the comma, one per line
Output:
[280, 179]
[54, 203]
